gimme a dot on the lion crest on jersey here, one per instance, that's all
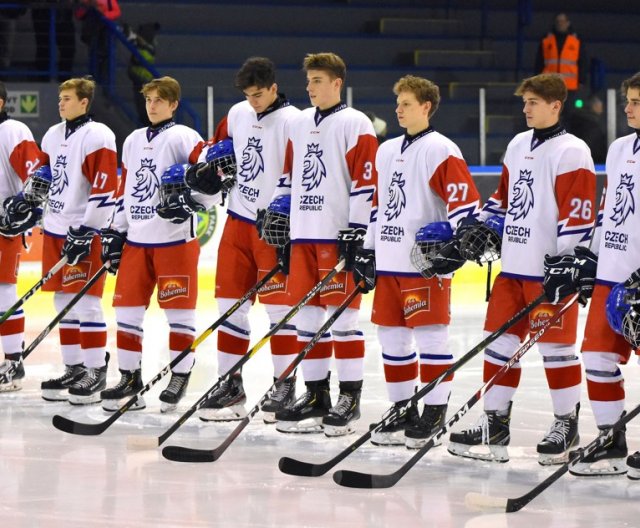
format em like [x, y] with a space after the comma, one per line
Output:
[522, 201]
[625, 203]
[252, 162]
[397, 198]
[59, 179]
[146, 181]
[314, 169]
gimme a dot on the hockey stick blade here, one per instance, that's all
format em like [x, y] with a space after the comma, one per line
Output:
[299, 468]
[479, 501]
[139, 443]
[185, 454]
[354, 479]
[92, 429]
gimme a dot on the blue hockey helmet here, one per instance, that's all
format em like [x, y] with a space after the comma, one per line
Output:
[36, 188]
[429, 239]
[223, 157]
[276, 224]
[172, 181]
[617, 306]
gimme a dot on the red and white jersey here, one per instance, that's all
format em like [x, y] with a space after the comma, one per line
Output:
[330, 172]
[84, 166]
[260, 143]
[547, 192]
[146, 154]
[19, 156]
[617, 237]
[421, 179]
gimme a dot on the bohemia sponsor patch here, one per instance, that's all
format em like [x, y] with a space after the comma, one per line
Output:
[338, 284]
[416, 301]
[277, 284]
[542, 314]
[79, 272]
[172, 287]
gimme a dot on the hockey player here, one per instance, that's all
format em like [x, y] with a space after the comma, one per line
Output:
[618, 240]
[422, 179]
[161, 248]
[82, 155]
[259, 129]
[546, 193]
[331, 173]
[19, 158]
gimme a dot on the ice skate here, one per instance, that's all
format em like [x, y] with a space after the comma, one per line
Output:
[171, 396]
[562, 436]
[341, 418]
[282, 397]
[393, 434]
[633, 466]
[87, 389]
[417, 434]
[56, 389]
[491, 431]
[226, 404]
[130, 384]
[608, 459]
[11, 373]
[306, 413]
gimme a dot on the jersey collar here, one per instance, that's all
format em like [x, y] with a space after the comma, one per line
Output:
[3, 116]
[321, 114]
[74, 124]
[540, 135]
[409, 140]
[636, 142]
[156, 129]
[280, 102]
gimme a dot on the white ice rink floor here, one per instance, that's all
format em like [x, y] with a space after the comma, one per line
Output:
[52, 479]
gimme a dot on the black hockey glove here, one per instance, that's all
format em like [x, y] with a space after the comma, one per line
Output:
[448, 259]
[560, 277]
[364, 269]
[206, 178]
[586, 264]
[260, 222]
[78, 244]
[633, 281]
[350, 240]
[179, 208]
[19, 216]
[112, 246]
[283, 253]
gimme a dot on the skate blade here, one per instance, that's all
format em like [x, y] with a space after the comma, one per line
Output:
[12, 386]
[114, 405]
[226, 414]
[553, 460]
[306, 426]
[601, 468]
[339, 430]
[394, 439]
[84, 400]
[419, 443]
[633, 473]
[52, 395]
[136, 443]
[269, 417]
[494, 454]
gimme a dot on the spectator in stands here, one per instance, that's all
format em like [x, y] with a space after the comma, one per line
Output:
[65, 36]
[8, 16]
[561, 51]
[588, 124]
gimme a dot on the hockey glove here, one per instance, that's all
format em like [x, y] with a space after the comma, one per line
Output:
[207, 178]
[448, 258]
[179, 208]
[112, 246]
[560, 277]
[19, 216]
[586, 264]
[350, 240]
[364, 269]
[633, 281]
[283, 253]
[78, 244]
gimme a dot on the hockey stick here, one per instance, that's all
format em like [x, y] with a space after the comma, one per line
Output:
[354, 479]
[146, 442]
[60, 316]
[513, 505]
[55, 269]
[89, 429]
[292, 466]
[185, 454]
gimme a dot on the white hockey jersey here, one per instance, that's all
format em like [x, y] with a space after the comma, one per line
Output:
[19, 156]
[146, 154]
[617, 238]
[259, 142]
[547, 192]
[330, 172]
[83, 160]
[421, 179]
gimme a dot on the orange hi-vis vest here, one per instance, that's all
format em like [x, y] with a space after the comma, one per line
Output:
[564, 62]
